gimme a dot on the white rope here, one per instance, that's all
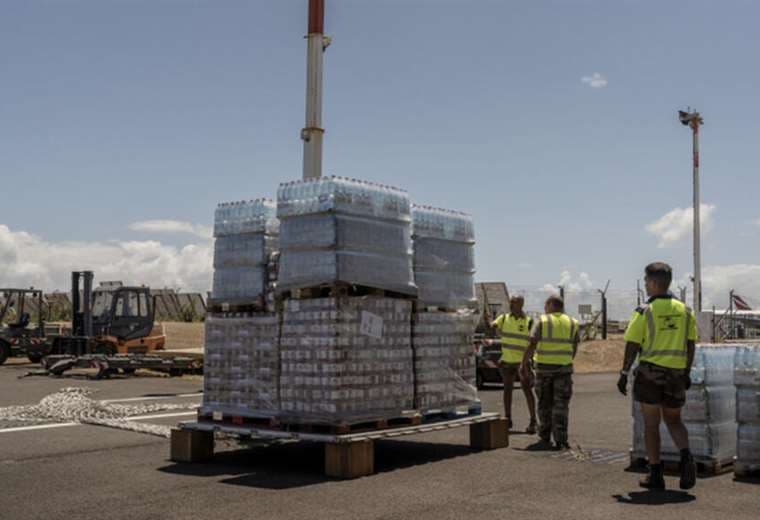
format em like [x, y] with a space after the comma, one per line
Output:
[73, 404]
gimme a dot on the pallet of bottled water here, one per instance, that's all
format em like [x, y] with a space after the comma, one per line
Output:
[346, 360]
[709, 413]
[241, 365]
[337, 230]
[444, 360]
[747, 379]
[444, 257]
[246, 236]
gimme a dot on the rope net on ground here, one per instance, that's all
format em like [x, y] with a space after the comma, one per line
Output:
[74, 404]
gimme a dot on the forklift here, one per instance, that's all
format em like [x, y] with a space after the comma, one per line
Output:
[110, 320]
[22, 326]
[113, 331]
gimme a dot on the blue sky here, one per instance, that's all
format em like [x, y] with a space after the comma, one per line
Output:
[115, 113]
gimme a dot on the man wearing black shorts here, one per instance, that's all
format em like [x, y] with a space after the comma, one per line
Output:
[662, 333]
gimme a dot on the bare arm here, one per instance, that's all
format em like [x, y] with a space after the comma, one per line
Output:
[631, 351]
[690, 349]
[528, 354]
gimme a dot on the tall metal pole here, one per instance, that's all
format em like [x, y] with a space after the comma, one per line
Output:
[312, 133]
[697, 240]
[694, 120]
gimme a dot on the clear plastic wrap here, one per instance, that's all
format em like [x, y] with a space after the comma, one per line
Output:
[346, 359]
[343, 230]
[301, 269]
[444, 360]
[713, 365]
[342, 195]
[748, 445]
[441, 289]
[241, 365]
[243, 250]
[747, 366]
[239, 282]
[748, 404]
[713, 404]
[442, 224]
[444, 257]
[252, 216]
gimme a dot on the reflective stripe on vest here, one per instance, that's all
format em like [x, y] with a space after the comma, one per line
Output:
[558, 332]
[667, 350]
[514, 343]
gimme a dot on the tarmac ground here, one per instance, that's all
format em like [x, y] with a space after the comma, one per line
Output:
[83, 471]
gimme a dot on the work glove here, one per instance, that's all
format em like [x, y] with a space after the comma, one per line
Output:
[687, 381]
[622, 384]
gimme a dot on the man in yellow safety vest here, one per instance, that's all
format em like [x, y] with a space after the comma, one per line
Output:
[514, 330]
[554, 340]
[662, 334]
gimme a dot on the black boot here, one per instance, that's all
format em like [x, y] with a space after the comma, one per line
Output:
[688, 470]
[655, 479]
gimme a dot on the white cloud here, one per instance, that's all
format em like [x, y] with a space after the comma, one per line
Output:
[756, 222]
[171, 226]
[677, 224]
[581, 283]
[29, 260]
[718, 280]
[596, 80]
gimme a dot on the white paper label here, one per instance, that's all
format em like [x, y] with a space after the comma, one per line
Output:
[371, 325]
[216, 415]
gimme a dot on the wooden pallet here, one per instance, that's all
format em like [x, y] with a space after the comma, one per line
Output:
[743, 470]
[346, 456]
[242, 305]
[705, 467]
[449, 413]
[341, 290]
[289, 424]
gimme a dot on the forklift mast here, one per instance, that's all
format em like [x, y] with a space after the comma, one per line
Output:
[81, 303]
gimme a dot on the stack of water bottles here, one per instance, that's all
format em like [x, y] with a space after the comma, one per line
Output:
[444, 361]
[444, 257]
[241, 365]
[335, 229]
[747, 379]
[709, 413]
[246, 235]
[346, 359]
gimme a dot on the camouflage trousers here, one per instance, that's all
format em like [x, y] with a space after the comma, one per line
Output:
[554, 391]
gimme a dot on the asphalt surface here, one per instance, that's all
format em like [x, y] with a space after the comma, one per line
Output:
[87, 471]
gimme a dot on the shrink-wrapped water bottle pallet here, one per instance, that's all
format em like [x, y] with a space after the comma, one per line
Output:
[706, 467]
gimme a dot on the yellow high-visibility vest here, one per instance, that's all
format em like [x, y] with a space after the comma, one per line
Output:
[514, 334]
[558, 331]
[668, 322]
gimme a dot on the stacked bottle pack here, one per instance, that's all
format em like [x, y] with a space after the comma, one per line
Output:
[747, 379]
[344, 230]
[444, 259]
[709, 413]
[246, 236]
[241, 365]
[344, 359]
[444, 362]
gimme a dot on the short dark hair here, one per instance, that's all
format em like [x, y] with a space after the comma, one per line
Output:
[556, 302]
[661, 273]
[517, 297]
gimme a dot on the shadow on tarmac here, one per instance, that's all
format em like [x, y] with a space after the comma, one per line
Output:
[655, 498]
[300, 464]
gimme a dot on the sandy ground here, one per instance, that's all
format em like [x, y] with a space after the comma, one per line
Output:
[183, 336]
[600, 355]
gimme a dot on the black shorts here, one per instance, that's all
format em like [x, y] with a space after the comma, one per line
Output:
[513, 370]
[659, 385]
